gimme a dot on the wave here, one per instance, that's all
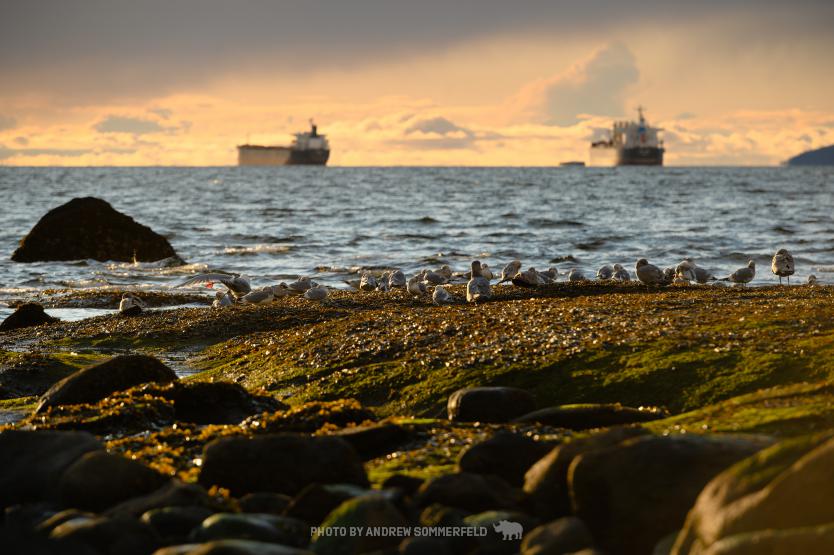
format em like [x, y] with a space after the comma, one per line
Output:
[258, 249]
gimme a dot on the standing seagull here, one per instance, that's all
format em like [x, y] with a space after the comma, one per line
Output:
[237, 285]
[743, 275]
[649, 273]
[509, 271]
[620, 273]
[260, 296]
[478, 288]
[782, 265]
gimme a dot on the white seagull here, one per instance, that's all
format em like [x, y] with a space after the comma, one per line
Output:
[131, 305]
[620, 273]
[782, 265]
[649, 273]
[477, 289]
[744, 275]
[509, 271]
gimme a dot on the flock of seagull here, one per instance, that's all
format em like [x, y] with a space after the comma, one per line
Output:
[478, 281]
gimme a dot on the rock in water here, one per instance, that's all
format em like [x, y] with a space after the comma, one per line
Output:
[94, 383]
[90, 228]
[282, 463]
[26, 315]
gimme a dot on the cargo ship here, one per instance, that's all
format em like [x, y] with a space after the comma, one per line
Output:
[635, 143]
[309, 148]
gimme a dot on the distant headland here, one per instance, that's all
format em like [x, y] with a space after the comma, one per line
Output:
[820, 157]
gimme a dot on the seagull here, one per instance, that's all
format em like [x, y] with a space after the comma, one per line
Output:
[445, 271]
[223, 299]
[396, 279]
[743, 275]
[486, 272]
[237, 285]
[131, 305]
[383, 286]
[649, 273]
[316, 293]
[433, 278]
[620, 273]
[685, 271]
[782, 265]
[576, 275]
[367, 282]
[280, 290]
[545, 277]
[606, 272]
[551, 273]
[441, 296]
[509, 271]
[353, 283]
[416, 287]
[263, 295]
[477, 289]
[812, 279]
[669, 274]
[702, 276]
[302, 284]
[527, 278]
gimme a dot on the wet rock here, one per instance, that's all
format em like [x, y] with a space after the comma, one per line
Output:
[281, 463]
[489, 404]
[374, 440]
[30, 374]
[232, 547]
[89, 227]
[504, 530]
[217, 402]
[586, 417]
[546, 482]
[633, 494]
[565, 535]
[437, 515]
[472, 492]
[368, 511]
[782, 495]
[46, 526]
[505, 454]
[26, 315]
[253, 526]
[265, 502]
[316, 501]
[172, 494]
[94, 383]
[174, 524]
[31, 462]
[424, 546]
[407, 484]
[110, 536]
[99, 480]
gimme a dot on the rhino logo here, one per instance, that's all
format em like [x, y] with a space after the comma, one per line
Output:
[511, 530]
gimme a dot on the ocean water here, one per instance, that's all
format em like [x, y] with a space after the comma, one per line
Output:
[273, 224]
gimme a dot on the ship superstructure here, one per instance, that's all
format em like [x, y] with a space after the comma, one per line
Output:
[636, 143]
[309, 148]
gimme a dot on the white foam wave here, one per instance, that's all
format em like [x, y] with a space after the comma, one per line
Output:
[262, 248]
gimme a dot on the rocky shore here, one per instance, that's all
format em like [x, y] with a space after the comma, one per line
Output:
[570, 418]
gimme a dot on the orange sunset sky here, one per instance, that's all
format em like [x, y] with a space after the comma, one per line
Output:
[181, 82]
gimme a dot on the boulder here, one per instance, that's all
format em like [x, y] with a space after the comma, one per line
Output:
[546, 482]
[471, 492]
[370, 511]
[586, 417]
[253, 526]
[633, 494]
[316, 501]
[99, 480]
[506, 455]
[407, 484]
[172, 494]
[94, 383]
[783, 493]
[89, 227]
[504, 530]
[174, 524]
[425, 545]
[374, 440]
[31, 462]
[232, 547]
[489, 404]
[564, 535]
[25, 316]
[217, 402]
[122, 536]
[281, 463]
[265, 502]
[810, 540]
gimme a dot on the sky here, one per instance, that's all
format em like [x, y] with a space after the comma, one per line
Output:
[434, 82]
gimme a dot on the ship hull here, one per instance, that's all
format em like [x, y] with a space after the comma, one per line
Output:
[640, 156]
[249, 155]
[308, 157]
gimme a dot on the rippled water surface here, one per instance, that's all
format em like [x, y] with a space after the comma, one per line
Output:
[275, 223]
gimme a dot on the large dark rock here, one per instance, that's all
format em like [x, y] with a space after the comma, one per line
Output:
[374, 440]
[172, 494]
[94, 383]
[253, 526]
[370, 511]
[217, 402]
[316, 501]
[100, 480]
[90, 228]
[565, 535]
[110, 536]
[586, 417]
[633, 494]
[265, 502]
[780, 497]
[505, 454]
[31, 462]
[232, 547]
[26, 315]
[471, 492]
[489, 404]
[546, 482]
[282, 463]
[504, 530]
[174, 524]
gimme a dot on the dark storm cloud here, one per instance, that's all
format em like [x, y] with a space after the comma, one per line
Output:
[85, 49]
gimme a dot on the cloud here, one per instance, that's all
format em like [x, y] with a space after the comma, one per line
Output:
[123, 124]
[596, 85]
[6, 153]
[7, 122]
